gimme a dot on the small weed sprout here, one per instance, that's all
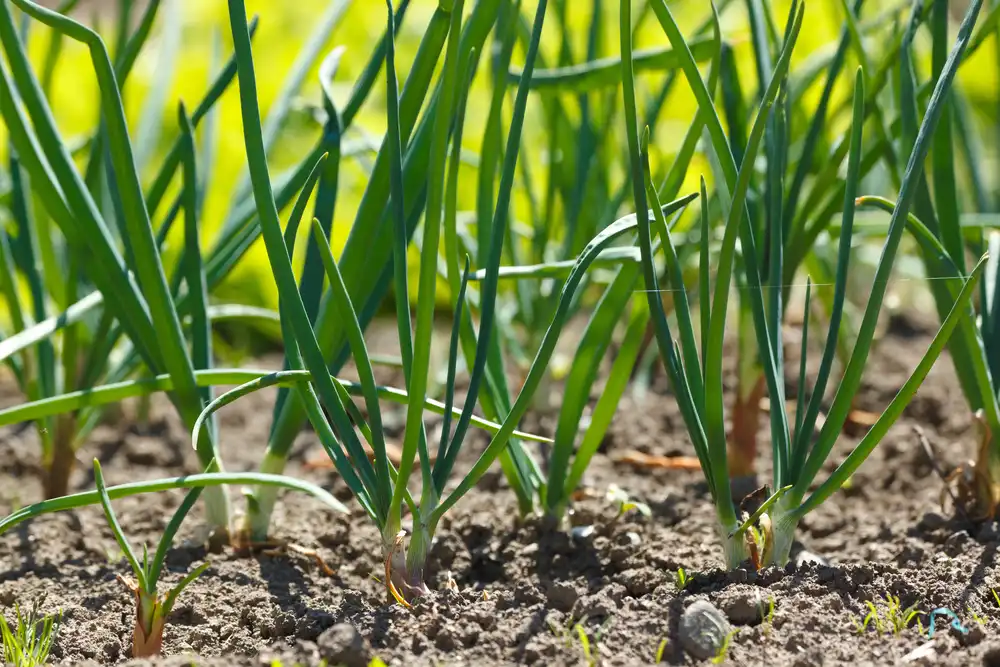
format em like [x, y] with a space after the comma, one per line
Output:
[660, 650]
[624, 504]
[872, 618]
[995, 596]
[769, 616]
[29, 641]
[561, 633]
[976, 617]
[895, 620]
[899, 619]
[681, 579]
[723, 653]
[588, 654]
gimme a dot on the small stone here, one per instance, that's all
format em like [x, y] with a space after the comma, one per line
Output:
[746, 607]
[805, 557]
[630, 539]
[932, 521]
[988, 532]
[562, 596]
[582, 533]
[955, 543]
[703, 630]
[343, 644]
[991, 657]
[975, 635]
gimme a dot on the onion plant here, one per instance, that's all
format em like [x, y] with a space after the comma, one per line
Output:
[578, 190]
[944, 247]
[581, 182]
[151, 610]
[366, 262]
[801, 190]
[695, 367]
[150, 312]
[380, 488]
[800, 183]
[134, 287]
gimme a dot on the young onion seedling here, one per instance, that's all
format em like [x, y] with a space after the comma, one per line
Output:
[151, 610]
[695, 370]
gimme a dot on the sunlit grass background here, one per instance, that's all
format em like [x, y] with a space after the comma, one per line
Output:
[284, 28]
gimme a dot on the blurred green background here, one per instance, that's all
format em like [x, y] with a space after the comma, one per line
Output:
[178, 63]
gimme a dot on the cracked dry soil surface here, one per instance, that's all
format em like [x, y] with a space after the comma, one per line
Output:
[522, 588]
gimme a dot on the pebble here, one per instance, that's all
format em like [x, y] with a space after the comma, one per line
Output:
[343, 644]
[804, 557]
[953, 546]
[932, 521]
[703, 630]
[988, 532]
[991, 656]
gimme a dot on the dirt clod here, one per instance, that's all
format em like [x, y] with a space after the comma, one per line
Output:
[562, 596]
[744, 605]
[343, 644]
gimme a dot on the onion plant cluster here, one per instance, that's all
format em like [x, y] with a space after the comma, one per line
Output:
[110, 303]
[380, 487]
[579, 186]
[806, 147]
[695, 367]
[113, 313]
[954, 177]
[367, 261]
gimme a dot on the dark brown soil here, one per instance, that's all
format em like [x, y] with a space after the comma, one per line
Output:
[522, 588]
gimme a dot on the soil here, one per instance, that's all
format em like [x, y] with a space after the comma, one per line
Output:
[523, 587]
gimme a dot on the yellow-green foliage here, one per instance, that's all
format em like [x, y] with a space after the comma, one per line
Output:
[285, 26]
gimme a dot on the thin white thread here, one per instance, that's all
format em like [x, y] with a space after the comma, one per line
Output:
[811, 285]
